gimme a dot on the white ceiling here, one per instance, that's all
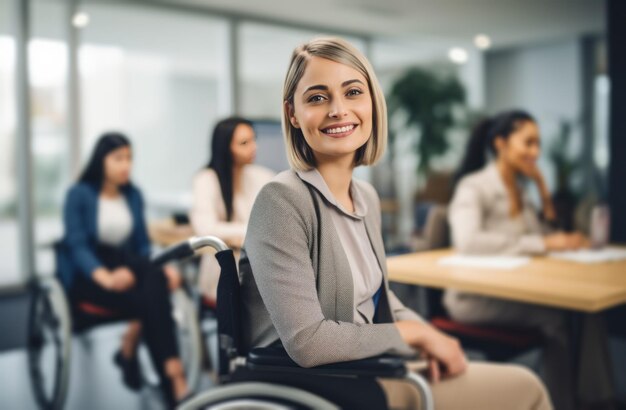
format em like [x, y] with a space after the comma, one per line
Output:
[508, 22]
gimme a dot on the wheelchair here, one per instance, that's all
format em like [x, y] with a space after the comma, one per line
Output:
[232, 394]
[53, 323]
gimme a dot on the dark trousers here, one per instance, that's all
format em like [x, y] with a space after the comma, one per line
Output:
[148, 301]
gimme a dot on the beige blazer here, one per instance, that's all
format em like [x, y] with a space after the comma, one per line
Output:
[296, 280]
[480, 220]
[480, 223]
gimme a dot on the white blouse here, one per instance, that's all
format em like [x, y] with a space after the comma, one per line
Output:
[115, 221]
[208, 213]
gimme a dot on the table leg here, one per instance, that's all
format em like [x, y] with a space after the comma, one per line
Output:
[595, 382]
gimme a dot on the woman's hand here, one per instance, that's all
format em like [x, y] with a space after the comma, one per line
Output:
[173, 276]
[102, 277]
[565, 241]
[123, 279]
[444, 353]
[548, 207]
[118, 280]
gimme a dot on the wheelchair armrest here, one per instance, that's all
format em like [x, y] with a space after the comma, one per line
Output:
[277, 359]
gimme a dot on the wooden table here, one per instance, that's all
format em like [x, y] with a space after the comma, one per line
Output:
[582, 290]
[546, 281]
[166, 232]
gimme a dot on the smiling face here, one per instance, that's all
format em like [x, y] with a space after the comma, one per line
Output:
[522, 148]
[332, 106]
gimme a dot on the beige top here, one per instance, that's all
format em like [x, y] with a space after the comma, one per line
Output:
[208, 213]
[480, 221]
[367, 275]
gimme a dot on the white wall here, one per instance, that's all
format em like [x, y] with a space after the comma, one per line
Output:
[545, 80]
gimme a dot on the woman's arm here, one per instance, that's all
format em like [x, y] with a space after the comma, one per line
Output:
[468, 236]
[278, 250]
[141, 238]
[75, 221]
[207, 197]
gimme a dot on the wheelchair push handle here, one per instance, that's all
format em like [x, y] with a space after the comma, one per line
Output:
[188, 248]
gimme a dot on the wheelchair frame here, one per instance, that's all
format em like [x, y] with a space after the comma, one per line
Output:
[276, 360]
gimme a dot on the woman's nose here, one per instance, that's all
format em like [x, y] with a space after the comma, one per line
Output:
[337, 109]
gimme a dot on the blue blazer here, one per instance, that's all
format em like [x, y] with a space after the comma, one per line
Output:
[76, 254]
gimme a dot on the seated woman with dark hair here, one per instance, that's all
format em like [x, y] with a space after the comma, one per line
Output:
[104, 260]
[224, 191]
[491, 214]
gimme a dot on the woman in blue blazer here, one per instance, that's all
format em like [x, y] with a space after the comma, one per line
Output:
[104, 260]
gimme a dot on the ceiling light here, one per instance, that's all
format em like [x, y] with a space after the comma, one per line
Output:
[458, 55]
[482, 41]
[80, 19]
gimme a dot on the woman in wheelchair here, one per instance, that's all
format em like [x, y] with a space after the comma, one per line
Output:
[313, 271]
[104, 262]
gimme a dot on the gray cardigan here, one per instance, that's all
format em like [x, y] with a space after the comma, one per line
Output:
[297, 284]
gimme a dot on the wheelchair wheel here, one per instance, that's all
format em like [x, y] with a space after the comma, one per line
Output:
[189, 337]
[257, 396]
[49, 344]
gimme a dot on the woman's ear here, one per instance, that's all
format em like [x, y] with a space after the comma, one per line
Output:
[499, 144]
[291, 114]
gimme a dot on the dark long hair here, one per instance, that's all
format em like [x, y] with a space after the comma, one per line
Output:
[482, 139]
[222, 158]
[93, 173]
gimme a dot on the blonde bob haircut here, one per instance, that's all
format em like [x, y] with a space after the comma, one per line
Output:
[299, 153]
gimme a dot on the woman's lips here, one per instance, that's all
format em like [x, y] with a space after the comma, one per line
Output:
[339, 131]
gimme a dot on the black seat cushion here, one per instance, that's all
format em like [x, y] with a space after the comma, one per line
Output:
[276, 358]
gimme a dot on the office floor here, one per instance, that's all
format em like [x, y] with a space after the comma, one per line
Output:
[95, 383]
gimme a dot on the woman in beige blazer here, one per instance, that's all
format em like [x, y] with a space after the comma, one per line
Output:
[491, 214]
[313, 267]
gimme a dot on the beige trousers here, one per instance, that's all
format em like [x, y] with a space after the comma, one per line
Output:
[483, 386]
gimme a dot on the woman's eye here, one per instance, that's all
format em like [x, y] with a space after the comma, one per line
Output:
[316, 98]
[354, 92]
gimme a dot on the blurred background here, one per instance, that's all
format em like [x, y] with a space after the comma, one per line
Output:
[164, 71]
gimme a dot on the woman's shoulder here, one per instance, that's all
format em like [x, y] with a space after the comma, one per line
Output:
[206, 176]
[81, 190]
[481, 180]
[288, 187]
[287, 182]
[259, 172]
